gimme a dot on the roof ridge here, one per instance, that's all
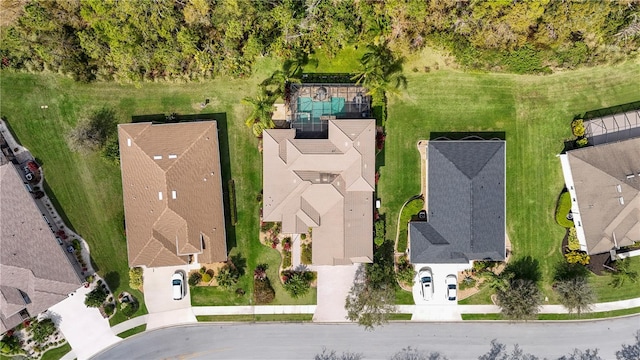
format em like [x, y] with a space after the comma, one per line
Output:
[193, 143]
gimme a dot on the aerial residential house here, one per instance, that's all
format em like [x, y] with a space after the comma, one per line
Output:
[172, 188]
[35, 272]
[319, 172]
[465, 204]
[604, 183]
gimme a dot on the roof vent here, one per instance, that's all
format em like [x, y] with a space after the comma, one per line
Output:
[619, 188]
[157, 157]
[174, 194]
[128, 142]
[159, 195]
[173, 156]
[621, 199]
[631, 176]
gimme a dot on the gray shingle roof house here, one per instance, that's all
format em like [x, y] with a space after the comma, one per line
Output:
[604, 183]
[465, 204]
[35, 273]
[172, 191]
[324, 184]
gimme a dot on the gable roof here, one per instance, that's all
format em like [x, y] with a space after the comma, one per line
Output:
[35, 273]
[325, 184]
[466, 203]
[608, 197]
[172, 190]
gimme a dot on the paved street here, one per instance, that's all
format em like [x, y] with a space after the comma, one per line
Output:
[303, 341]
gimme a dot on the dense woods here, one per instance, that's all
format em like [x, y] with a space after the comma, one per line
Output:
[192, 39]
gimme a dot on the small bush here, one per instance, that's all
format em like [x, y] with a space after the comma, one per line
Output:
[306, 255]
[574, 244]
[297, 283]
[129, 308]
[263, 291]
[562, 210]
[303, 236]
[227, 277]
[577, 127]
[96, 297]
[109, 309]
[582, 142]
[286, 244]
[577, 257]
[260, 273]
[467, 283]
[286, 259]
[206, 277]
[135, 277]
[194, 278]
[202, 270]
[379, 232]
[406, 273]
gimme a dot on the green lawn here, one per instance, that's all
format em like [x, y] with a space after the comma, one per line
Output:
[133, 331]
[410, 210]
[534, 112]
[606, 292]
[403, 297]
[264, 317]
[57, 353]
[595, 315]
[396, 317]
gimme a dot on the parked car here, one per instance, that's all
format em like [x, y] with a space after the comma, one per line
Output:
[452, 287]
[59, 240]
[426, 283]
[177, 283]
[39, 194]
[70, 249]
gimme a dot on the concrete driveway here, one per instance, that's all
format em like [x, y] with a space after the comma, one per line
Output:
[158, 296]
[438, 308]
[334, 283]
[84, 328]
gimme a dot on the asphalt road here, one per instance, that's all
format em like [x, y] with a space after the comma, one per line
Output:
[303, 341]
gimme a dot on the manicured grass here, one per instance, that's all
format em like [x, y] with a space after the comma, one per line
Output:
[133, 331]
[398, 317]
[56, 353]
[251, 318]
[534, 112]
[481, 297]
[410, 210]
[346, 61]
[403, 297]
[606, 292]
[586, 316]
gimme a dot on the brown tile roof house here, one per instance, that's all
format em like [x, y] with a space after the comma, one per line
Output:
[35, 273]
[604, 183]
[324, 184]
[172, 188]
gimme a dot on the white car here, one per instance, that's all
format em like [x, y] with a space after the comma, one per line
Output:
[426, 283]
[452, 287]
[177, 284]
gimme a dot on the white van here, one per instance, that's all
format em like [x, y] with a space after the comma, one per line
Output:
[177, 285]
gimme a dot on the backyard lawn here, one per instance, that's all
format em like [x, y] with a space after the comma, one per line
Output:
[534, 112]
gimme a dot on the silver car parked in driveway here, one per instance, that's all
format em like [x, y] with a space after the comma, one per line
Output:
[177, 283]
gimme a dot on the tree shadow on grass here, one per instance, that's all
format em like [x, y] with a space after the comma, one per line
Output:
[526, 268]
[240, 263]
[565, 271]
[113, 280]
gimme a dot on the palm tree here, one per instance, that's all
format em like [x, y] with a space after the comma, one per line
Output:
[380, 71]
[576, 294]
[623, 273]
[261, 111]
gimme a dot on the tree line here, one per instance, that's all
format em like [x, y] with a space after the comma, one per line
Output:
[192, 39]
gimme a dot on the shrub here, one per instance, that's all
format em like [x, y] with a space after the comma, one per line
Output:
[467, 283]
[582, 142]
[129, 308]
[306, 255]
[10, 344]
[96, 297]
[562, 210]
[203, 270]
[573, 243]
[227, 277]
[206, 277]
[109, 309]
[286, 259]
[41, 330]
[524, 60]
[233, 211]
[577, 257]
[286, 244]
[260, 272]
[92, 133]
[406, 273]
[379, 232]
[297, 283]
[263, 291]
[194, 278]
[303, 236]
[135, 277]
[577, 127]
[481, 266]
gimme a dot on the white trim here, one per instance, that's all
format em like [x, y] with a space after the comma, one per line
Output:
[575, 209]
